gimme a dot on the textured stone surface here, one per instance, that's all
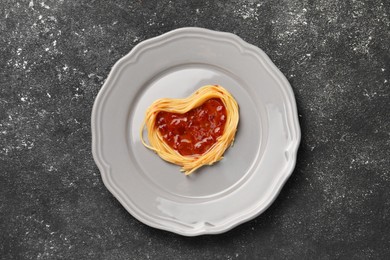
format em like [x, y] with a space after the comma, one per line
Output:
[54, 58]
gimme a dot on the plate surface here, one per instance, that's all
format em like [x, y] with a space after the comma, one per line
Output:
[215, 198]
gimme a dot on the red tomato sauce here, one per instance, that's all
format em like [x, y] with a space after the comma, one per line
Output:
[194, 132]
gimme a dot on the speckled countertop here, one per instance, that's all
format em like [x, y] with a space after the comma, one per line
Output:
[54, 58]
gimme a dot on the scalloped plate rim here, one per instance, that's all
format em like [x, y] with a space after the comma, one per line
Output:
[104, 167]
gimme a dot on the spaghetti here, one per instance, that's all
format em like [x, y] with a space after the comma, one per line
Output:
[194, 131]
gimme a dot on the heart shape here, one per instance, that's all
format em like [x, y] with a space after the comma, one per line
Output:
[193, 131]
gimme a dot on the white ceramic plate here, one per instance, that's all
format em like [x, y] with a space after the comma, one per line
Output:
[215, 198]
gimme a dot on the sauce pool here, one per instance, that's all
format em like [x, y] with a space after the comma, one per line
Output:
[194, 132]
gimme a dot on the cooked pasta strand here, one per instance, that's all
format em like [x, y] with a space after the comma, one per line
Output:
[190, 163]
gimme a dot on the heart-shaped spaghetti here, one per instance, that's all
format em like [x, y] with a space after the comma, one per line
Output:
[223, 114]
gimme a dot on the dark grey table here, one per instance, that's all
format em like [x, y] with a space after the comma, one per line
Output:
[54, 58]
